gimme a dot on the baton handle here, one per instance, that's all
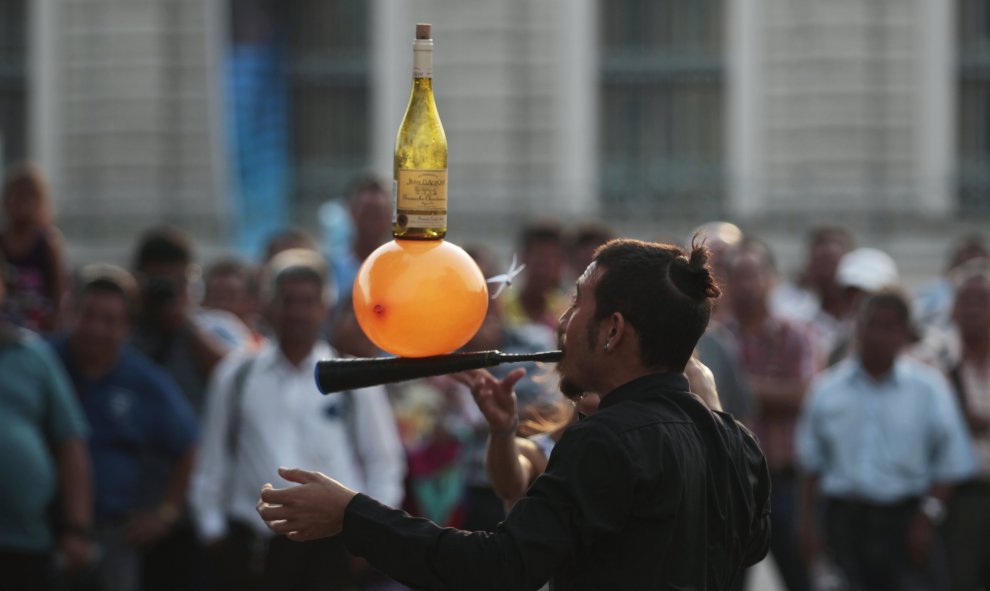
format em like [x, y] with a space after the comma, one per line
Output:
[337, 375]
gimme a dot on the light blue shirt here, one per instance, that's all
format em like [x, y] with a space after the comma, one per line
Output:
[883, 440]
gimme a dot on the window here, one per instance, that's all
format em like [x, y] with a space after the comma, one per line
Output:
[329, 97]
[974, 107]
[13, 54]
[662, 122]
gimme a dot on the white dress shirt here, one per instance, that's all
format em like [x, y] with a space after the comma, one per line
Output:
[286, 422]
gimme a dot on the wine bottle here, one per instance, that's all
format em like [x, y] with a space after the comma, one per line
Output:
[419, 173]
[337, 375]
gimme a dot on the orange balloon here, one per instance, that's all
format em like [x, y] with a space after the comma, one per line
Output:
[415, 298]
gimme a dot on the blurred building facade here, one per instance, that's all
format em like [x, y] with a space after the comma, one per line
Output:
[652, 115]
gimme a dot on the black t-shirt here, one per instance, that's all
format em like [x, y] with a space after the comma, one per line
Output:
[654, 491]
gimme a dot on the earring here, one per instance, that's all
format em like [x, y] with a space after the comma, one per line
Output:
[606, 347]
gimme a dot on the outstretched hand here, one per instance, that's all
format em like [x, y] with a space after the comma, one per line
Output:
[313, 510]
[495, 398]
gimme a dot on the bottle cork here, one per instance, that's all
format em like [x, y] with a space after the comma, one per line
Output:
[423, 30]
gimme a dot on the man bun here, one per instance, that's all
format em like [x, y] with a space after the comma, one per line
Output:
[693, 276]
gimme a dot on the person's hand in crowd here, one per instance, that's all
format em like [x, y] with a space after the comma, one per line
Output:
[810, 543]
[313, 510]
[495, 398]
[76, 550]
[147, 527]
[702, 382]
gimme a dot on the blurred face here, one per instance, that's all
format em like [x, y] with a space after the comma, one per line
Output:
[227, 292]
[748, 282]
[101, 325]
[972, 308]
[578, 338]
[545, 262]
[882, 333]
[372, 212]
[823, 260]
[164, 288]
[297, 312]
[22, 204]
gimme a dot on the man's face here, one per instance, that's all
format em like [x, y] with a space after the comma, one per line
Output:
[882, 333]
[972, 307]
[228, 292]
[165, 288]
[101, 322]
[298, 312]
[823, 260]
[578, 338]
[748, 281]
[372, 214]
[545, 262]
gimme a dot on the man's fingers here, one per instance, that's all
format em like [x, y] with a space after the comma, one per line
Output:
[284, 527]
[273, 512]
[509, 382]
[297, 475]
[277, 496]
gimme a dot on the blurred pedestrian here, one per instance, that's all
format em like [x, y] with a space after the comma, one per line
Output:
[32, 246]
[44, 464]
[370, 207]
[779, 360]
[538, 299]
[143, 428]
[968, 526]
[881, 443]
[264, 413]
[934, 300]
[230, 306]
[166, 332]
[817, 297]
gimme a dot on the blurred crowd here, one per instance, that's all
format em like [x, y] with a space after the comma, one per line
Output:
[142, 409]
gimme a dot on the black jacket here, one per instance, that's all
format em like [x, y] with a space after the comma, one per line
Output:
[653, 491]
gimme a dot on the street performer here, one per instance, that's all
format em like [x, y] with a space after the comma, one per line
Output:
[654, 491]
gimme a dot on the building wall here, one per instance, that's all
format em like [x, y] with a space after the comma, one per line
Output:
[135, 111]
[836, 111]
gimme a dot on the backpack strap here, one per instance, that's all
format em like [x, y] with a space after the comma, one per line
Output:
[235, 405]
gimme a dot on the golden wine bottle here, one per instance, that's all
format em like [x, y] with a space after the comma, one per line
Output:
[419, 173]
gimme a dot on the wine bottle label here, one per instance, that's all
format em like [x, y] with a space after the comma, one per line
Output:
[422, 191]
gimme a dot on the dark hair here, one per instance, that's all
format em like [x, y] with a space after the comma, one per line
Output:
[891, 298]
[753, 245]
[228, 266]
[822, 233]
[164, 244]
[542, 231]
[30, 175]
[665, 295]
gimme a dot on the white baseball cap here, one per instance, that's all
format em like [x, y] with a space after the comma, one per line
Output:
[867, 269]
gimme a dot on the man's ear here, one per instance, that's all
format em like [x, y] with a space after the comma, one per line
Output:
[617, 329]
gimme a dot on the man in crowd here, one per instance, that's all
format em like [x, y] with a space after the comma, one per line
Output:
[143, 428]
[264, 412]
[166, 332]
[882, 441]
[43, 438]
[778, 360]
[539, 300]
[654, 490]
[968, 525]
